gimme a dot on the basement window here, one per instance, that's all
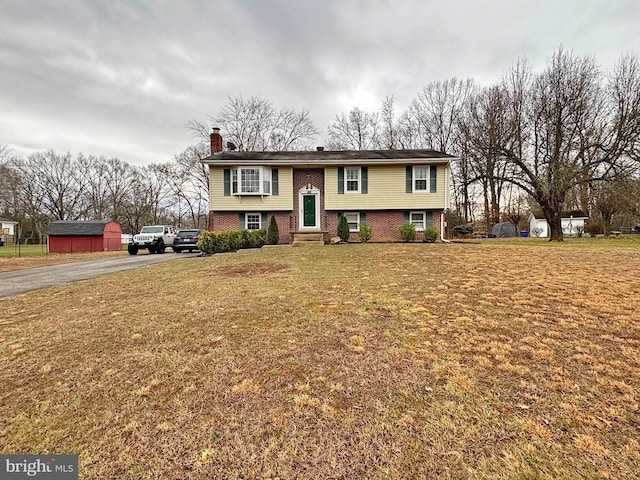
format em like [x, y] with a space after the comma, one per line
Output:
[418, 219]
[353, 220]
[253, 221]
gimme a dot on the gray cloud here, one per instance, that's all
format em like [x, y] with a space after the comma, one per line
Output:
[122, 78]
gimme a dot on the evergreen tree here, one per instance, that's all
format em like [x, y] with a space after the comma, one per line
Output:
[343, 229]
[273, 234]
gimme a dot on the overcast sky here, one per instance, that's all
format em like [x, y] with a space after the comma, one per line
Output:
[122, 78]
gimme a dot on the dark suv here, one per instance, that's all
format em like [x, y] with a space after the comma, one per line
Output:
[186, 240]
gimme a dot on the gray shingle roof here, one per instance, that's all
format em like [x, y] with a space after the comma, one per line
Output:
[329, 157]
[67, 227]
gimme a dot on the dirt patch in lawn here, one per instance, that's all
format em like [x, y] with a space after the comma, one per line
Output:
[250, 269]
[374, 361]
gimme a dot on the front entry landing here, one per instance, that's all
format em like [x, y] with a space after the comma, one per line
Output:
[309, 230]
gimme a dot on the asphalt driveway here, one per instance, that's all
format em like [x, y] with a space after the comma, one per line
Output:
[23, 281]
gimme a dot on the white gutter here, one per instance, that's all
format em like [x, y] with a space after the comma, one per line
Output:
[446, 204]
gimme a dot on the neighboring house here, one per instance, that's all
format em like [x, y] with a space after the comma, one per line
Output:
[8, 231]
[84, 236]
[572, 223]
[308, 191]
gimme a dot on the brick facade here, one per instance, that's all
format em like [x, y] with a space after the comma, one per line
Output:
[385, 225]
[223, 221]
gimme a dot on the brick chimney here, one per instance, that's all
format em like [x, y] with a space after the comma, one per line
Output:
[216, 141]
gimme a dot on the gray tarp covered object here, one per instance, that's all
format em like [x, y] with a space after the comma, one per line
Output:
[503, 230]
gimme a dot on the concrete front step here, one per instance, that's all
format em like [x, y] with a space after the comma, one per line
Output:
[308, 238]
[307, 243]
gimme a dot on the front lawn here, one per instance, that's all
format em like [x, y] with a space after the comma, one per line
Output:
[481, 360]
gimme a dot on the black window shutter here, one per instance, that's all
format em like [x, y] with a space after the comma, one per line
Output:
[406, 217]
[227, 182]
[264, 216]
[364, 187]
[274, 182]
[428, 222]
[340, 179]
[363, 217]
[433, 179]
[409, 179]
[241, 225]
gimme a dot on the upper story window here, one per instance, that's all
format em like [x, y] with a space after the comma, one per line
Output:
[352, 180]
[420, 179]
[251, 181]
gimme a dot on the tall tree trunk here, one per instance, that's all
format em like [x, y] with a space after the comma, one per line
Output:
[606, 223]
[487, 211]
[555, 226]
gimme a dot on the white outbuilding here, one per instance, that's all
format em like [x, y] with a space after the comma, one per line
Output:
[572, 223]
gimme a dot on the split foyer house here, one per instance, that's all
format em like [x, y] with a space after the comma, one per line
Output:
[308, 191]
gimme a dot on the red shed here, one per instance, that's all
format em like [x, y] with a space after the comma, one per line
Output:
[84, 236]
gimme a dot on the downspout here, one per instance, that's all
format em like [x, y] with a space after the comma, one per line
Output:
[446, 203]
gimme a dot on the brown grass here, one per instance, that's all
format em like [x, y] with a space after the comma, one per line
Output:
[354, 361]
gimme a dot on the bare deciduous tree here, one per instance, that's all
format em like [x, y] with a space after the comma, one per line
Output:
[616, 196]
[191, 183]
[58, 183]
[389, 140]
[484, 127]
[436, 111]
[357, 130]
[571, 128]
[254, 124]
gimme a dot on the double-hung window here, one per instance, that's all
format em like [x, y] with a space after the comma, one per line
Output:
[420, 179]
[352, 180]
[253, 221]
[251, 181]
[418, 219]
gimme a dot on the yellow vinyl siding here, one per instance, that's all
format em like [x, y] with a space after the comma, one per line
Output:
[387, 190]
[219, 202]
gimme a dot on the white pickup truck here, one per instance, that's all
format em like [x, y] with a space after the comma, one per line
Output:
[154, 238]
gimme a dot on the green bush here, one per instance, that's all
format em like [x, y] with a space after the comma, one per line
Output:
[343, 229]
[365, 233]
[258, 238]
[430, 235]
[244, 240]
[408, 232]
[237, 238]
[273, 234]
[220, 242]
